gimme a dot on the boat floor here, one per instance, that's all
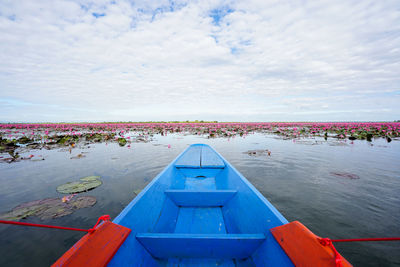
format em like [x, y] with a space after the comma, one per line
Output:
[200, 220]
[207, 262]
[200, 230]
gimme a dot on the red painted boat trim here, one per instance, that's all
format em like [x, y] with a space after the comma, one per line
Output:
[97, 248]
[304, 248]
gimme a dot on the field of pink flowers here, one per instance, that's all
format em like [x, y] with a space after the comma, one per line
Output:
[13, 136]
[364, 130]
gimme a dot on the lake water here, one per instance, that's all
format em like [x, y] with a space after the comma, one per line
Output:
[297, 178]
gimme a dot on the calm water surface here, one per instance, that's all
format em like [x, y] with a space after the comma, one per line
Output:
[297, 178]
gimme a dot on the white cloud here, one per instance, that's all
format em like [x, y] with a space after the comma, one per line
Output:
[224, 60]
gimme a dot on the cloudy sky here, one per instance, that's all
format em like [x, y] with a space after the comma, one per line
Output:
[208, 60]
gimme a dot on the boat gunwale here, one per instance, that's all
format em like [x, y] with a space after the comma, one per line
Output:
[128, 207]
[272, 208]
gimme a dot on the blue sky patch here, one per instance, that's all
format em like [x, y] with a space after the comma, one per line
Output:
[234, 50]
[215, 38]
[86, 8]
[98, 15]
[218, 14]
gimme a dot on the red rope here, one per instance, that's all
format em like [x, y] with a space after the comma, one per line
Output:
[338, 259]
[101, 218]
[367, 239]
[328, 242]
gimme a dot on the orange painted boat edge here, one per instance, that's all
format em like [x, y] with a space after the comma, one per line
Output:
[303, 247]
[97, 248]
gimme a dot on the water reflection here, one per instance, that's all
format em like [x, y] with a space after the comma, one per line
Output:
[297, 177]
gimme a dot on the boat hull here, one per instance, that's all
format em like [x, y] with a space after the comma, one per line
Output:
[200, 211]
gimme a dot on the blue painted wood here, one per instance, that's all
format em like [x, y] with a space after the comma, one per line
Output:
[200, 221]
[190, 158]
[200, 183]
[166, 222]
[196, 262]
[229, 246]
[200, 198]
[154, 212]
[187, 172]
[210, 159]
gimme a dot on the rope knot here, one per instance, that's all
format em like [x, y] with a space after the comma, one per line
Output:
[105, 217]
[328, 242]
[101, 218]
[325, 241]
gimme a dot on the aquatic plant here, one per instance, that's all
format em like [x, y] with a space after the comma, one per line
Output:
[258, 152]
[347, 175]
[48, 208]
[85, 184]
[13, 136]
[122, 141]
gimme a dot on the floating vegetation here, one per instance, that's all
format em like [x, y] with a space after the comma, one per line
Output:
[346, 175]
[51, 136]
[307, 142]
[122, 141]
[259, 152]
[137, 191]
[15, 157]
[24, 140]
[141, 139]
[48, 208]
[37, 159]
[85, 184]
[7, 145]
[79, 156]
[338, 143]
[67, 198]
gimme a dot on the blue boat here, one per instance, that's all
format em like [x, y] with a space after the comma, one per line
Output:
[200, 211]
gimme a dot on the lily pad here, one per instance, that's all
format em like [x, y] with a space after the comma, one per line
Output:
[24, 140]
[48, 208]
[258, 152]
[122, 141]
[78, 156]
[90, 178]
[85, 184]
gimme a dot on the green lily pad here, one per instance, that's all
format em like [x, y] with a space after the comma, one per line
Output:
[48, 208]
[90, 178]
[85, 184]
[122, 141]
[24, 140]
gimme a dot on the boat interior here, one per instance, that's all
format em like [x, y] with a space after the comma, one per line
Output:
[200, 211]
